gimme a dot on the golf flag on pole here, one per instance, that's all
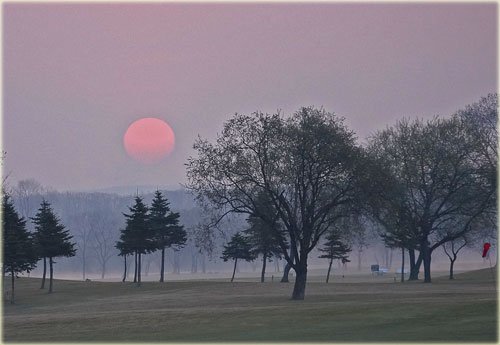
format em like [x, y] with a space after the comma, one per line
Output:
[486, 247]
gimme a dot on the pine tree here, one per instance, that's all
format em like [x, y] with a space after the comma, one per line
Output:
[138, 236]
[18, 249]
[238, 248]
[51, 238]
[262, 237]
[265, 233]
[165, 226]
[334, 249]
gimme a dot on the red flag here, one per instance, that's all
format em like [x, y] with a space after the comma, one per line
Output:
[486, 247]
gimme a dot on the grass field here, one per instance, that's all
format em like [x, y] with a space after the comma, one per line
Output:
[368, 310]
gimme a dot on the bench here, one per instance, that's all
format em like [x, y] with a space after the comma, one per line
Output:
[376, 269]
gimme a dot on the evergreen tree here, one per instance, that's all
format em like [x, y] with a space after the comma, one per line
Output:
[265, 232]
[18, 249]
[262, 237]
[334, 249]
[51, 238]
[138, 236]
[238, 248]
[165, 226]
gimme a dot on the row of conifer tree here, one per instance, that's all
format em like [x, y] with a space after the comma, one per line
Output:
[150, 229]
[22, 250]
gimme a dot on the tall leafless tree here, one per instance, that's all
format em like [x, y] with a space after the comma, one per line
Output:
[27, 193]
[451, 250]
[104, 238]
[84, 234]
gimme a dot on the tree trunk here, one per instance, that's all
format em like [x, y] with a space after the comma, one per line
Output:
[286, 270]
[194, 262]
[129, 263]
[125, 269]
[177, 265]
[234, 269]
[103, 269]
[262, 275]
[414, 266]
[139, 270]
[135, 267]
[426, 256]
[148, 264]
[452, 262]
[496, 255]
[418, 264]
[203, 265]
[402, 264]
[329, 269]
[360, 252]
[44, 272]
[12, 289]
[299, 289]
[83, 265]
[51, 274]
[162, 267]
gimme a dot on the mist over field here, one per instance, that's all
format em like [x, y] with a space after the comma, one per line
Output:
[74, 209]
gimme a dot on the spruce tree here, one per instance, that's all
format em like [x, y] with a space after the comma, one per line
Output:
[165, 226]
[265, 232]
[18, 249]
[262, 237]
[52, 239]
[137, 235]
[238, 247]
[334, 249]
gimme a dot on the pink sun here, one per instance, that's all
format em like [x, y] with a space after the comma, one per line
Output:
[149, 140]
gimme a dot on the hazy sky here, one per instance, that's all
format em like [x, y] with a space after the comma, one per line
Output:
[77, 75]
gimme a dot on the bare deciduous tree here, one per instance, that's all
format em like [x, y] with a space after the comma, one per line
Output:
[25, 193]
[451, 250]
[83, 235]
[104, 238]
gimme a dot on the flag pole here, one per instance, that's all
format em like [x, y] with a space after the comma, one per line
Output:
[491, 270]
[486, 252]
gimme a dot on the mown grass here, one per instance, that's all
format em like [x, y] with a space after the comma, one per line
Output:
[463, 310]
